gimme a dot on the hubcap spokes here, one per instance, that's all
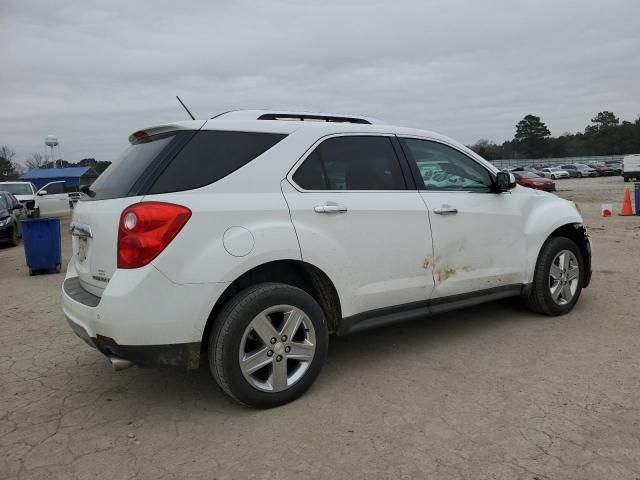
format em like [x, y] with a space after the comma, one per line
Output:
[277, 348]
[564, 276]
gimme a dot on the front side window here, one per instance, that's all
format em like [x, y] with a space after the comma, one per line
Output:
[55, 188]
[444, 168]
[352, 163]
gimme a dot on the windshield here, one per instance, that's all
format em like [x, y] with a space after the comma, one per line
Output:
[16, 188]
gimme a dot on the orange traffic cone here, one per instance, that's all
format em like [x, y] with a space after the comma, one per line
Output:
[626, 204]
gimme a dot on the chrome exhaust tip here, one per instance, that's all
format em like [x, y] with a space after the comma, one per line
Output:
[119, 364]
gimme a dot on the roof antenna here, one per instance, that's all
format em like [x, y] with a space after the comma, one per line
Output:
[185, 107]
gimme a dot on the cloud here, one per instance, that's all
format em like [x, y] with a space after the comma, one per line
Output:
[93, 72]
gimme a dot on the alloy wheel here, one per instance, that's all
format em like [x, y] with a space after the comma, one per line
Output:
[277, 348]
[564, 276]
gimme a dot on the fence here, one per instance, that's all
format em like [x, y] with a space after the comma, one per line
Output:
[539, 162]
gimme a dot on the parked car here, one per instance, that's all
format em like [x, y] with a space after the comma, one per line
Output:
[50, 201]
[531, 180]
[631, 167]
[246, 240]
[554, 173]
[11, 213]
[616, 166]
[579, 170]
[602, 169]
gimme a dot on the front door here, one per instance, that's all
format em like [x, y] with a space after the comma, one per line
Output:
[478, 237]
[357, 220]
[52, 200]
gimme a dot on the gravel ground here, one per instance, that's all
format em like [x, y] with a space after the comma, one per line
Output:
[489, 392]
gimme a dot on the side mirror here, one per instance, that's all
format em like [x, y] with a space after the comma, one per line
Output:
[42, 192]
[505, 181]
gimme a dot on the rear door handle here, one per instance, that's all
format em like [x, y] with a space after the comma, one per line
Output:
[330, 207]
[445, 210]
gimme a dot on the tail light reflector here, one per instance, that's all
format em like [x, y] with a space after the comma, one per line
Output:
[146, 229]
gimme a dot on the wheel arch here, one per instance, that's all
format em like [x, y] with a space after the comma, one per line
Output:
[578, 233]
[297, 273]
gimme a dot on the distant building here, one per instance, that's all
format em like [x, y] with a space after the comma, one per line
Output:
[73, 177]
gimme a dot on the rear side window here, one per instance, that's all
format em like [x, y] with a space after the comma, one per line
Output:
[118, 180]
[210, 156]
[352, 163]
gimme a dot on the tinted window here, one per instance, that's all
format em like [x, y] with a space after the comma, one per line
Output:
[444, 168]
[3, 202]
[352, 163]
[117, 180]
[210, 156]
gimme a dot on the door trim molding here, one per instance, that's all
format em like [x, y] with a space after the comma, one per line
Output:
[411, 311]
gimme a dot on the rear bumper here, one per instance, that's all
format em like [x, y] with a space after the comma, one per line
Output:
[184, 355]
[141, 316]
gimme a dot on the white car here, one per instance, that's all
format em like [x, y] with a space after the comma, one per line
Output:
[247, 239]
[50, 201]
[554, 173]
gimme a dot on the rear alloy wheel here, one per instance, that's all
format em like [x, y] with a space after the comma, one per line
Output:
[268, 345]
[557, 281]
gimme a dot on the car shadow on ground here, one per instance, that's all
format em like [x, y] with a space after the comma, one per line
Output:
[354, 355]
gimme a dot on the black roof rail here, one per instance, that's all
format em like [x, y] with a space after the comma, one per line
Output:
[320, 118]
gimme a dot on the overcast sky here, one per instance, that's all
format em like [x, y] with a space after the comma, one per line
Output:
[93, 72]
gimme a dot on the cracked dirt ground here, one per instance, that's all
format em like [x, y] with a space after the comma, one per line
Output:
[489, 392]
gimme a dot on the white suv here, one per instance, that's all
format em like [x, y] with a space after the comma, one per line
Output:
[245, 240]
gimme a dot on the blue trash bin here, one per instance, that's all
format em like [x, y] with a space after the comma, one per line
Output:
[42, 246]
[637, 195]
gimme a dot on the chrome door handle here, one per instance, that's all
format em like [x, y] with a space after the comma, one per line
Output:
[445, 210]
[330, 207]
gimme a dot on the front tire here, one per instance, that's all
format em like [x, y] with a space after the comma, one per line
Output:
[268, 345]
[557, 281]
[14, 238]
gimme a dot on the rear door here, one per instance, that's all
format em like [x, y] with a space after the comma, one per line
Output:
[358, 220]
[478, 239]
[53, 200]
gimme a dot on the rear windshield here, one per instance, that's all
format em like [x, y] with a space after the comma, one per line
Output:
[153, 166]
[118, 180]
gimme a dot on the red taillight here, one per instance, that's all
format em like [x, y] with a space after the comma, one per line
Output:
[146, 229]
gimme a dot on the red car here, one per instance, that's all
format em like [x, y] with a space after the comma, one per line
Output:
[531, 180]
[602, 169]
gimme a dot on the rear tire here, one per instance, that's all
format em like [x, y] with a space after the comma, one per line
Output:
[626, 179]
[579, 175]
[546, 295]
[246, 329]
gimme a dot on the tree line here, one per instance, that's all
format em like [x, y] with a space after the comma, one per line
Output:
[605, 135]
[10, 169]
